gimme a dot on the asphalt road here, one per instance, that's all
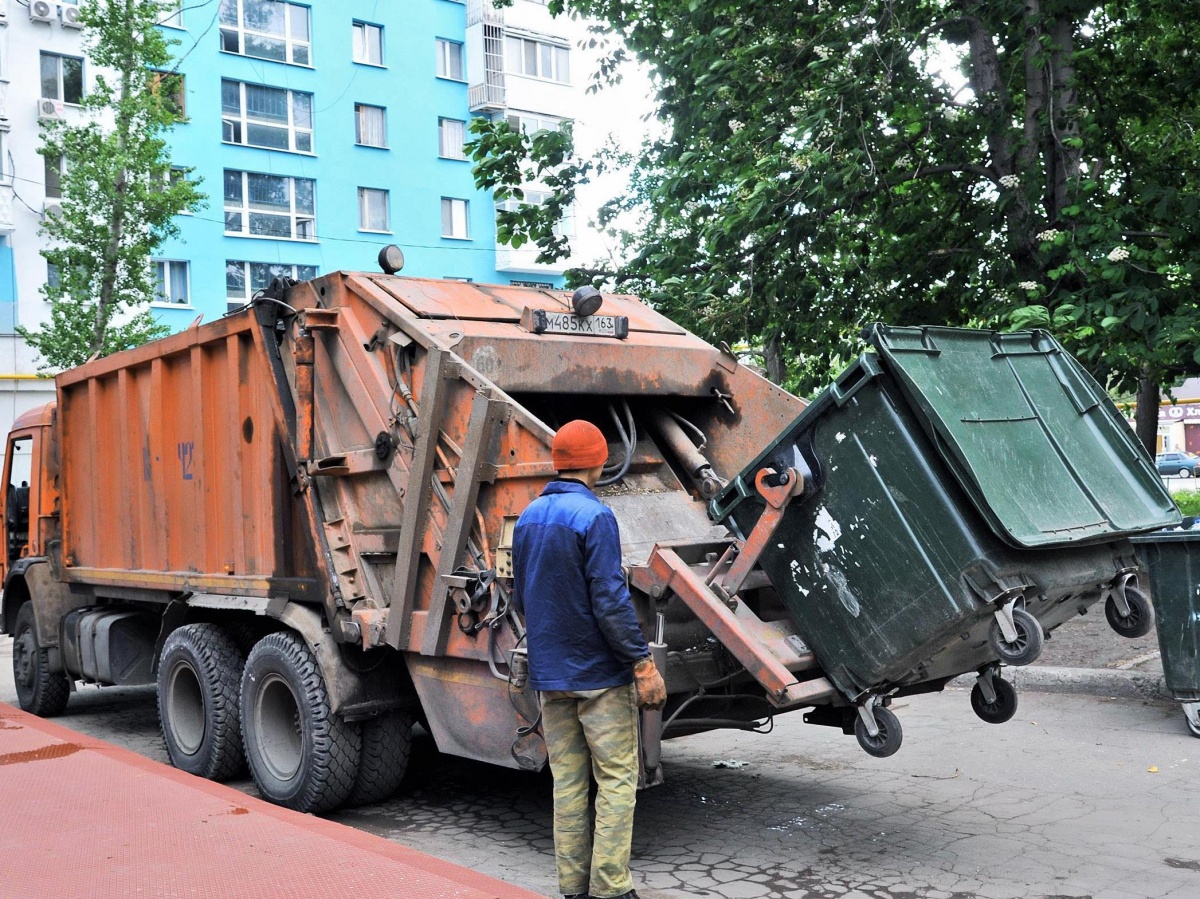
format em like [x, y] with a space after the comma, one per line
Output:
[1078, 796]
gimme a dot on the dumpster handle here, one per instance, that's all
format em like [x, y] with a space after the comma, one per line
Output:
[854, 378]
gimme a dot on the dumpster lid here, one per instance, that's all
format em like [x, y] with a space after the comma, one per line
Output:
[1031, 437]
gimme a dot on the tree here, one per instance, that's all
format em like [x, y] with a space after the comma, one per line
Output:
[1013, 163]
[119, 191]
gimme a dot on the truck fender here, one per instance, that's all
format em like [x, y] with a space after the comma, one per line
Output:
[32, 579]
[351, 694]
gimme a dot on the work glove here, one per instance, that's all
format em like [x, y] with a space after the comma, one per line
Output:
[651, 690]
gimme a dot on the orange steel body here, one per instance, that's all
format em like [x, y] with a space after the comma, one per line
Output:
[357, 462]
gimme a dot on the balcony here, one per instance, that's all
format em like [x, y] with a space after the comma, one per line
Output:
[482, 12]
[486, 97]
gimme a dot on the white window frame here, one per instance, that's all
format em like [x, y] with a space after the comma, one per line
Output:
[365, 195]
[446, 151]
[242, 120]
[359, 131]
[517, 64]
[445, 60]
[293, 46]
[172, 15]
[163, 301]
[290, 270]
[466, 218]
[299, 221]
[532, 123]
[362, 48]
[46, 167]
[536, 196]
[59, 57]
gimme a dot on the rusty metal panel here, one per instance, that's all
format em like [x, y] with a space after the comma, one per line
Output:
[471, 713]
[493, 302]
[171, 464]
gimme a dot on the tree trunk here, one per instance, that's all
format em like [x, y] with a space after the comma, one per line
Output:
[989, 87]
[1147, 412]
[773, 357]
[1063, 157]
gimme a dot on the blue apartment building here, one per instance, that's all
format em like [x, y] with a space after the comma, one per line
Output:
[324, 131]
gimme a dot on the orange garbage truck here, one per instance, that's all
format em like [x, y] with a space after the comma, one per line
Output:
[297, 522]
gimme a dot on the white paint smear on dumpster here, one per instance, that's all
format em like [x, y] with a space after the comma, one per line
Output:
[828, 531]
[842, 586]
[797, 570]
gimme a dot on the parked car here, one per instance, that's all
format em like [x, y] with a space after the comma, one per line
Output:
[1182, 464]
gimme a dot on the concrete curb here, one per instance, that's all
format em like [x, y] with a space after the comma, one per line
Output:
[1086, 681]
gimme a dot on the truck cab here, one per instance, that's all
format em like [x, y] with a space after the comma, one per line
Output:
[28, 492]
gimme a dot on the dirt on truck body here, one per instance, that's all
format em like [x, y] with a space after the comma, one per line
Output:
[297, 521]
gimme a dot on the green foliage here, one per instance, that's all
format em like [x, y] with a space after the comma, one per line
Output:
[1188, 502]
[118, 193]
[918, 162]
[506, 159]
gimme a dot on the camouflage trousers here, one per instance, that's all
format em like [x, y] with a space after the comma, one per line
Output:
[593, 733]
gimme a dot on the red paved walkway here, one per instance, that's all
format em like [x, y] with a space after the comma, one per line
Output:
[82, 818]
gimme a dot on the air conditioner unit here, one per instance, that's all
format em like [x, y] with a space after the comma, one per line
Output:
[70, 17]
[50, 209]
[49, 110]
[40, 11]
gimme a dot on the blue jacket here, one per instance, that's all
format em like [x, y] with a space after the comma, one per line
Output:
[583, 633]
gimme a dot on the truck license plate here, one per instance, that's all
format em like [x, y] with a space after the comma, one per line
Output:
[546, 322]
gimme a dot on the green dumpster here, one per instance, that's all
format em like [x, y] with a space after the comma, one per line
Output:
[965, 492]
[1172, 559]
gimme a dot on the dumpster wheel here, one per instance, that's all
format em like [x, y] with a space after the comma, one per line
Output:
[1001, 705]
[888, 734]
[1191, 714]
[1136, 619]
[1024, 644]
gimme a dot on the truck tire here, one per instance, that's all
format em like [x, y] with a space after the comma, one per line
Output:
[39, 690]
[301, 754]
[199, 684]
[386, 744]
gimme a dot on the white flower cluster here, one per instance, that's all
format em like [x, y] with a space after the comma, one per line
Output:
[823, 52]
[1048, 234]
[1009, 181]
[1028, 285]
[1118, 254]
[953, 114]
[735, 126]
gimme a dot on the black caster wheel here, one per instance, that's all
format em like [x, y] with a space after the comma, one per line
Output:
[1140, 619]
[1192, 726]
[1028, 645]
[887, 741]
[1004, 706]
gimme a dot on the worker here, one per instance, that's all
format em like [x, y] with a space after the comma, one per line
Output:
[589, 661]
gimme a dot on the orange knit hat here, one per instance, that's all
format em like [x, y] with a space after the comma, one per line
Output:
[577, 446]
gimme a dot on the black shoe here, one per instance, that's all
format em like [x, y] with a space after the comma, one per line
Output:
[576, 896]
[632, 894]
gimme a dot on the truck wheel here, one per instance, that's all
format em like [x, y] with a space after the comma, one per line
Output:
[39, 690]
[199, 677]
[301, 754]
[386, 743]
